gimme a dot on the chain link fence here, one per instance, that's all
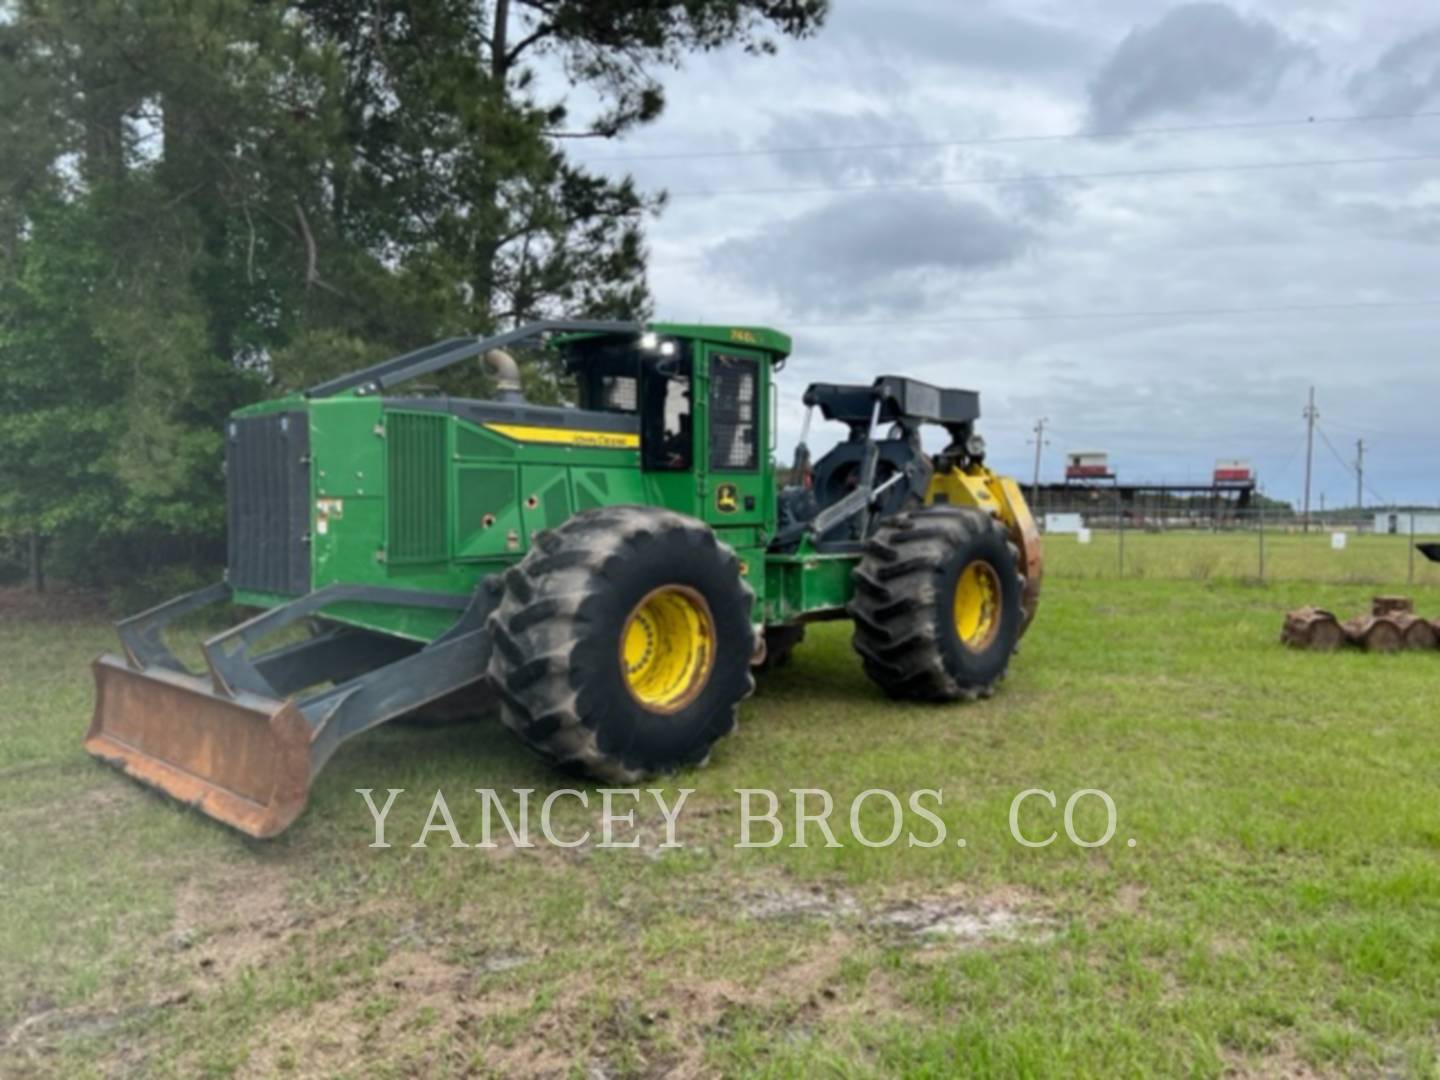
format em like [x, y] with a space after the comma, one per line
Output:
[1107, 538]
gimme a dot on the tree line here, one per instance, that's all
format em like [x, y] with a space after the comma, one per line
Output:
[205, 202]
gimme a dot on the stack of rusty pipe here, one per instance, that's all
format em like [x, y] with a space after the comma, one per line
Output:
[1390, 626]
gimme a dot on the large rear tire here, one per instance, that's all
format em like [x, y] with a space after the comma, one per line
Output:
[623, 643]
[937, 604]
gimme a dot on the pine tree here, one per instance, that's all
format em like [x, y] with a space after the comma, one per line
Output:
[204, 201]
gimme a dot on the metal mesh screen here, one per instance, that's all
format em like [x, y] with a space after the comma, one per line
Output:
[733, 400]
[417, 474]
[621, 393]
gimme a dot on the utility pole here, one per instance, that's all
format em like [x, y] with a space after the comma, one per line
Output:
[1359, 474]
[1040, 443]
[1310, 414]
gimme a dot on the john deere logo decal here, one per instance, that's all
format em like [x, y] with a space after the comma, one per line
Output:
[727, 499]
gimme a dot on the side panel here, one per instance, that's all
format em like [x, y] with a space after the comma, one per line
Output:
[356, 525]
[496, 476]
[545, 490]
[488, 523]
[808, 586]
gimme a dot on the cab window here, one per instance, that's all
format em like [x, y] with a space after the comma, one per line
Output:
[734, 403]
[666, 421]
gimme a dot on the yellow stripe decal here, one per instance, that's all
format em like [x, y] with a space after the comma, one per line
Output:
[610, 440]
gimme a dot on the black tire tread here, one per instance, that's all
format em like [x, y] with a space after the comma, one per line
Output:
[537, 626]
[894, 601]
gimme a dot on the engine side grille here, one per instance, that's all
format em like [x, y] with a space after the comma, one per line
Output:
[267, 498]
[417, 487]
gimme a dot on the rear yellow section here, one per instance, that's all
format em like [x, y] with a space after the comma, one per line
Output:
[982, 489]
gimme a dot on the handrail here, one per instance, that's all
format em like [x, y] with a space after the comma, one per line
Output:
[443, 354]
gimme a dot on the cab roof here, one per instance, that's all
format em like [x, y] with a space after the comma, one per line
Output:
[775, 343]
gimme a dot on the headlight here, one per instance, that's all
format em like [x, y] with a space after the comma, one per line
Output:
[975, 446]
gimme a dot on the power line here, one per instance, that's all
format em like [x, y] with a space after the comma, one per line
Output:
[1049, 316]
[1039, 178]
[1346, 465]
[1006, 140]
[1289, 461]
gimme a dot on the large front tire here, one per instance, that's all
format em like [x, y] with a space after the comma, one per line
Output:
[937, 605]
[623, 643]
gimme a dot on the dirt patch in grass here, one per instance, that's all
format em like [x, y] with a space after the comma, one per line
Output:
[104, 797]
[961, 921]
[1003, 915]
[32, 1044]
[426, 1015]
[235, 921]
[1280, 1064]
[502, 1014]
[787, 902]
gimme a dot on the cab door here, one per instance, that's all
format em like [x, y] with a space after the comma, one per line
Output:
[733, 438]
[670, 440]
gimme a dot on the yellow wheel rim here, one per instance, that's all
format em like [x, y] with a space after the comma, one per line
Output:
[977, 606]
[668, 648]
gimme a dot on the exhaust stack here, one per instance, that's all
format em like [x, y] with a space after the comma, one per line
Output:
[507, 375]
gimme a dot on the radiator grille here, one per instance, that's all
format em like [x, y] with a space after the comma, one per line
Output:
[417, 487]
[267, 503]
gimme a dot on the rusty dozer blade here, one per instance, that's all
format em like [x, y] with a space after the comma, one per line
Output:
[243, 760]
[241, 743]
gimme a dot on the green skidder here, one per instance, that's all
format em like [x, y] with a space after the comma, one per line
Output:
[612, 573]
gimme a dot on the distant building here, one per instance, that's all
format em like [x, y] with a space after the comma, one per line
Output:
[1397, 522]
[1088, 465]
[1233, 471]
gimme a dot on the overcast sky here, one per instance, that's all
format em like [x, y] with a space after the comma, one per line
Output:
[1166, 394]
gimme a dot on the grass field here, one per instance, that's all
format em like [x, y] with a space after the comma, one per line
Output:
[1279, 912]
[1367, 559]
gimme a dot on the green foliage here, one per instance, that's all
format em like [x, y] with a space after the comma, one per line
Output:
[208, 201]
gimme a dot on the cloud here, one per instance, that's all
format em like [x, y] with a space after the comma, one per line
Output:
[1405, 78]
[1166, 393]
[796, 128]
[878, 249]
[1195, 55]
[969, 35]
